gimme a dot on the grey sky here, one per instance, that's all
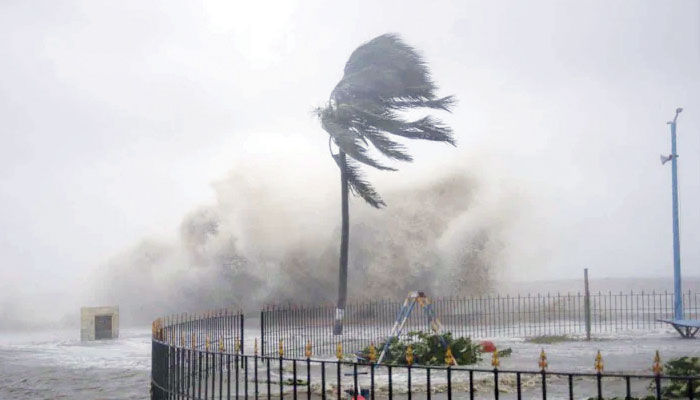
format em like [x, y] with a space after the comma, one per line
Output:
[117, 116]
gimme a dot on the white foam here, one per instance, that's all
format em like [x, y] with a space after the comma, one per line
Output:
[62, 348]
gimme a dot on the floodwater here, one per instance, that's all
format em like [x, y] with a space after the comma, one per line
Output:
[56, 365]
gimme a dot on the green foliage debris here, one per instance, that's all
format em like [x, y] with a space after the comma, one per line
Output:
[678, 388]
[429, 349]
[548, 339]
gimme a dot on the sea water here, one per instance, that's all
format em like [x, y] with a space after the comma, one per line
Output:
[57, 365]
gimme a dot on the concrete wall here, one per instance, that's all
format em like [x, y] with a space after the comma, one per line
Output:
[87, 321]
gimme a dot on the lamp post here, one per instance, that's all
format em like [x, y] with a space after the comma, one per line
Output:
[678, 299]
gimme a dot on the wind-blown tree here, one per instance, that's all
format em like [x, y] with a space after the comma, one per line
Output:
[382, 79]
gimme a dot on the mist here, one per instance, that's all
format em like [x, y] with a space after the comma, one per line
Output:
[163, 156]
[266, 242]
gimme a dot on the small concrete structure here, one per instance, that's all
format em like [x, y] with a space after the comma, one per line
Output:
[99, 323]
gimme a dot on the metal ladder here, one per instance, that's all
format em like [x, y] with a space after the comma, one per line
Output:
[408, 305]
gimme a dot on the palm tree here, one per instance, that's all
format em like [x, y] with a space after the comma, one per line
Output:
[382, 78]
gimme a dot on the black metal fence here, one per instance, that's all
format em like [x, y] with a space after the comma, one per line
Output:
[184, 367]
[201, 333]
[480, 317]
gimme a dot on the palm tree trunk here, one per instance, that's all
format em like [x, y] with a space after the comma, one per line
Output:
[344, 240]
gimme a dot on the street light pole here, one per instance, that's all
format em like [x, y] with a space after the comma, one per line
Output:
[688, 328]
[678, 298]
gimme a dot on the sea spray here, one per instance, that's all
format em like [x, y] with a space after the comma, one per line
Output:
[258, 244]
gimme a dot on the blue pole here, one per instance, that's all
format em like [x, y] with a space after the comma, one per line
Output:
[678, 299]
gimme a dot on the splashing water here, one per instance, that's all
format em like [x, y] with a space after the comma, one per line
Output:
[259, 243]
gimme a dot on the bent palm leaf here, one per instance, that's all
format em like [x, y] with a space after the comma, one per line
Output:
[382, 78]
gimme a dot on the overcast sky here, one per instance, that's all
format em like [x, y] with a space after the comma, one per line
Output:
[116, 117]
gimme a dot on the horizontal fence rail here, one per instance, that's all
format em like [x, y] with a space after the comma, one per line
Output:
[201, 356]
[478, 317]
[185, 369]
[201, 333]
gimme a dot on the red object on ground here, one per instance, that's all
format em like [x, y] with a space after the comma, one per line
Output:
[487, 346]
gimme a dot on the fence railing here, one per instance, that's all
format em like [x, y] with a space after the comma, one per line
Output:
[482, 317]
[198, 330]
[185, 366]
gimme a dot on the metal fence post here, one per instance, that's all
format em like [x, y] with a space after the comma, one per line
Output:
[587, 304]
[242, 319]
[262, 332]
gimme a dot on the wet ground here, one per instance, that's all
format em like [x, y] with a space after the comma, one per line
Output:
[56, 365]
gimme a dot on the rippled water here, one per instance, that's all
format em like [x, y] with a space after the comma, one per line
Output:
[56, 365]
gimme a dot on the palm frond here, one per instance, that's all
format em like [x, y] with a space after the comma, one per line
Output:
[358, 185]
[351, 143]
[427, 128]
[385, 68]
[382, 78]
[445, 103]
[386, 146]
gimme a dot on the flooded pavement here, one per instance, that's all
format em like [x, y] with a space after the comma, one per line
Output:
[56, 365]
